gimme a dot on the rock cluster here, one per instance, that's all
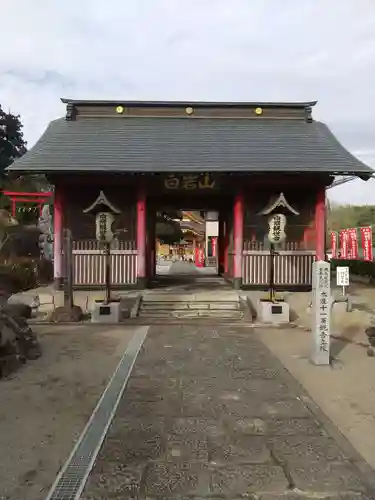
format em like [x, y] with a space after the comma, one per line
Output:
[67, 315]
[18, 343]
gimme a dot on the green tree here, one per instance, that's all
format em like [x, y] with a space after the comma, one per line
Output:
[12, 142]
[13, 146]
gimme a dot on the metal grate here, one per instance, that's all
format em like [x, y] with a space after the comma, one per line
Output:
[72, 477]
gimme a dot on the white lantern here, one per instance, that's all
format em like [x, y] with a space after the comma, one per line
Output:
[276, 228]
[103, 222]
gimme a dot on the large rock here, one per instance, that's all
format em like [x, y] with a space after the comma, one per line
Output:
[18, 343]
[67, 315]
[18, 310]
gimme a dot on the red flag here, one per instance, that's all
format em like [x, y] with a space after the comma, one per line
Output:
[344, 236]
[214, 243]
[334, 244]
[366, 236]
[352, 244]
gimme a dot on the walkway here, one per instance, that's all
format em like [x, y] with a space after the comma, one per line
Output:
[212, 412]
[185, 277]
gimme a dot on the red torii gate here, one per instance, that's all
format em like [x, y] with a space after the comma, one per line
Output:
[41, 198]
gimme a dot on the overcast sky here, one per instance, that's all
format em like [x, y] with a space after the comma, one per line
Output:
[255, 50]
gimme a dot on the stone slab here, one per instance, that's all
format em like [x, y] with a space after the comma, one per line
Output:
[314, 449]
[323, 477]
[113, 478]
[237, 449]
[195, 425]
[191, 447]
[294, 426]
[134, 448]
[296, 495]
[172, 479]
[246, 479]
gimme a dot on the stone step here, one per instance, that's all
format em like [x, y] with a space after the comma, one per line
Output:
[173, 306]
[188, 308]
[234, 314]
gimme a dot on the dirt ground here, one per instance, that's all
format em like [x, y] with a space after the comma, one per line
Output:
[45, 406]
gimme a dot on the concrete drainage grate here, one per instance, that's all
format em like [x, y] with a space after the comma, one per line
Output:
[72, 478]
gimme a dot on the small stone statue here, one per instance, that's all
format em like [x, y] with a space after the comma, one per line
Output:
[46, 237]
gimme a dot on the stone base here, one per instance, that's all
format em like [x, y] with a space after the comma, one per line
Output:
[141, 283]
[342, 305]
[58, 283]
[106, 313]
[273, 312]
[237, 283]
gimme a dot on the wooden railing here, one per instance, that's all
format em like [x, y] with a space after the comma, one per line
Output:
[291, 267]
[89, 263]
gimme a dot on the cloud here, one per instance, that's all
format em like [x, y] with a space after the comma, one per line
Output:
[211, 50]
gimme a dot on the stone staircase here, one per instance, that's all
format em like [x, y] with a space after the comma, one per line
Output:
[172, 307]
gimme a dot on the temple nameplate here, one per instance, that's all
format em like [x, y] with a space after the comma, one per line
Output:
[190, 182]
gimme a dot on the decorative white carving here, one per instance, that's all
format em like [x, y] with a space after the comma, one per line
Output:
[279, 201]
[102, 200]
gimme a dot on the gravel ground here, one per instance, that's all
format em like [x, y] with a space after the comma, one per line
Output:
[45, 406]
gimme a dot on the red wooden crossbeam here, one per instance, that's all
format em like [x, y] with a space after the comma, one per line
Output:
[28, 200]
[16, 194]
[21, 196]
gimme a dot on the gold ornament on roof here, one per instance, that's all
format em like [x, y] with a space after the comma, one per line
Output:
[119, 110]
[189, 110]
[258, 111]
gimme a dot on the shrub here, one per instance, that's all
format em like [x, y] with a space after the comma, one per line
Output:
[357, 267]
[24, 274]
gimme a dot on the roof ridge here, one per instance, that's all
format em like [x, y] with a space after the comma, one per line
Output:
[113, 102]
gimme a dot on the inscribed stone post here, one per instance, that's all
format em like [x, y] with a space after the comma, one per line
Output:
[321, 327]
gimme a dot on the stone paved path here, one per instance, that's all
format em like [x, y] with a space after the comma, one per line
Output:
[211, 412]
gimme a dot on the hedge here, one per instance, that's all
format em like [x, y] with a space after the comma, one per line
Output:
[357, 267]
[24, 274]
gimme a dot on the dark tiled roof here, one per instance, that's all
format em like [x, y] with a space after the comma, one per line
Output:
[154, 144]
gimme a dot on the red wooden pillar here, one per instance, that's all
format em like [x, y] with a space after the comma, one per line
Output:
[58, 205]
[226, 247]
[141, 239]
[320, 224]
[221, 243]
[14, 207]
[152, 249]
[238, 222]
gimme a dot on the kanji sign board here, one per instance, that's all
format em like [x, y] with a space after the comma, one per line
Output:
[342, 276]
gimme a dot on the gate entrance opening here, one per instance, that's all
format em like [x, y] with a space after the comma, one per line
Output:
[186, 240]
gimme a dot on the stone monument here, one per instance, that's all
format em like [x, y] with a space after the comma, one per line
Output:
[321, 317]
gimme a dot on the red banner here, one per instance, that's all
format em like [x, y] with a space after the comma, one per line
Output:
[366, 236]
[352, 244]
[199, 257]
[334, 245]
[344, 243]
[214, 246]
